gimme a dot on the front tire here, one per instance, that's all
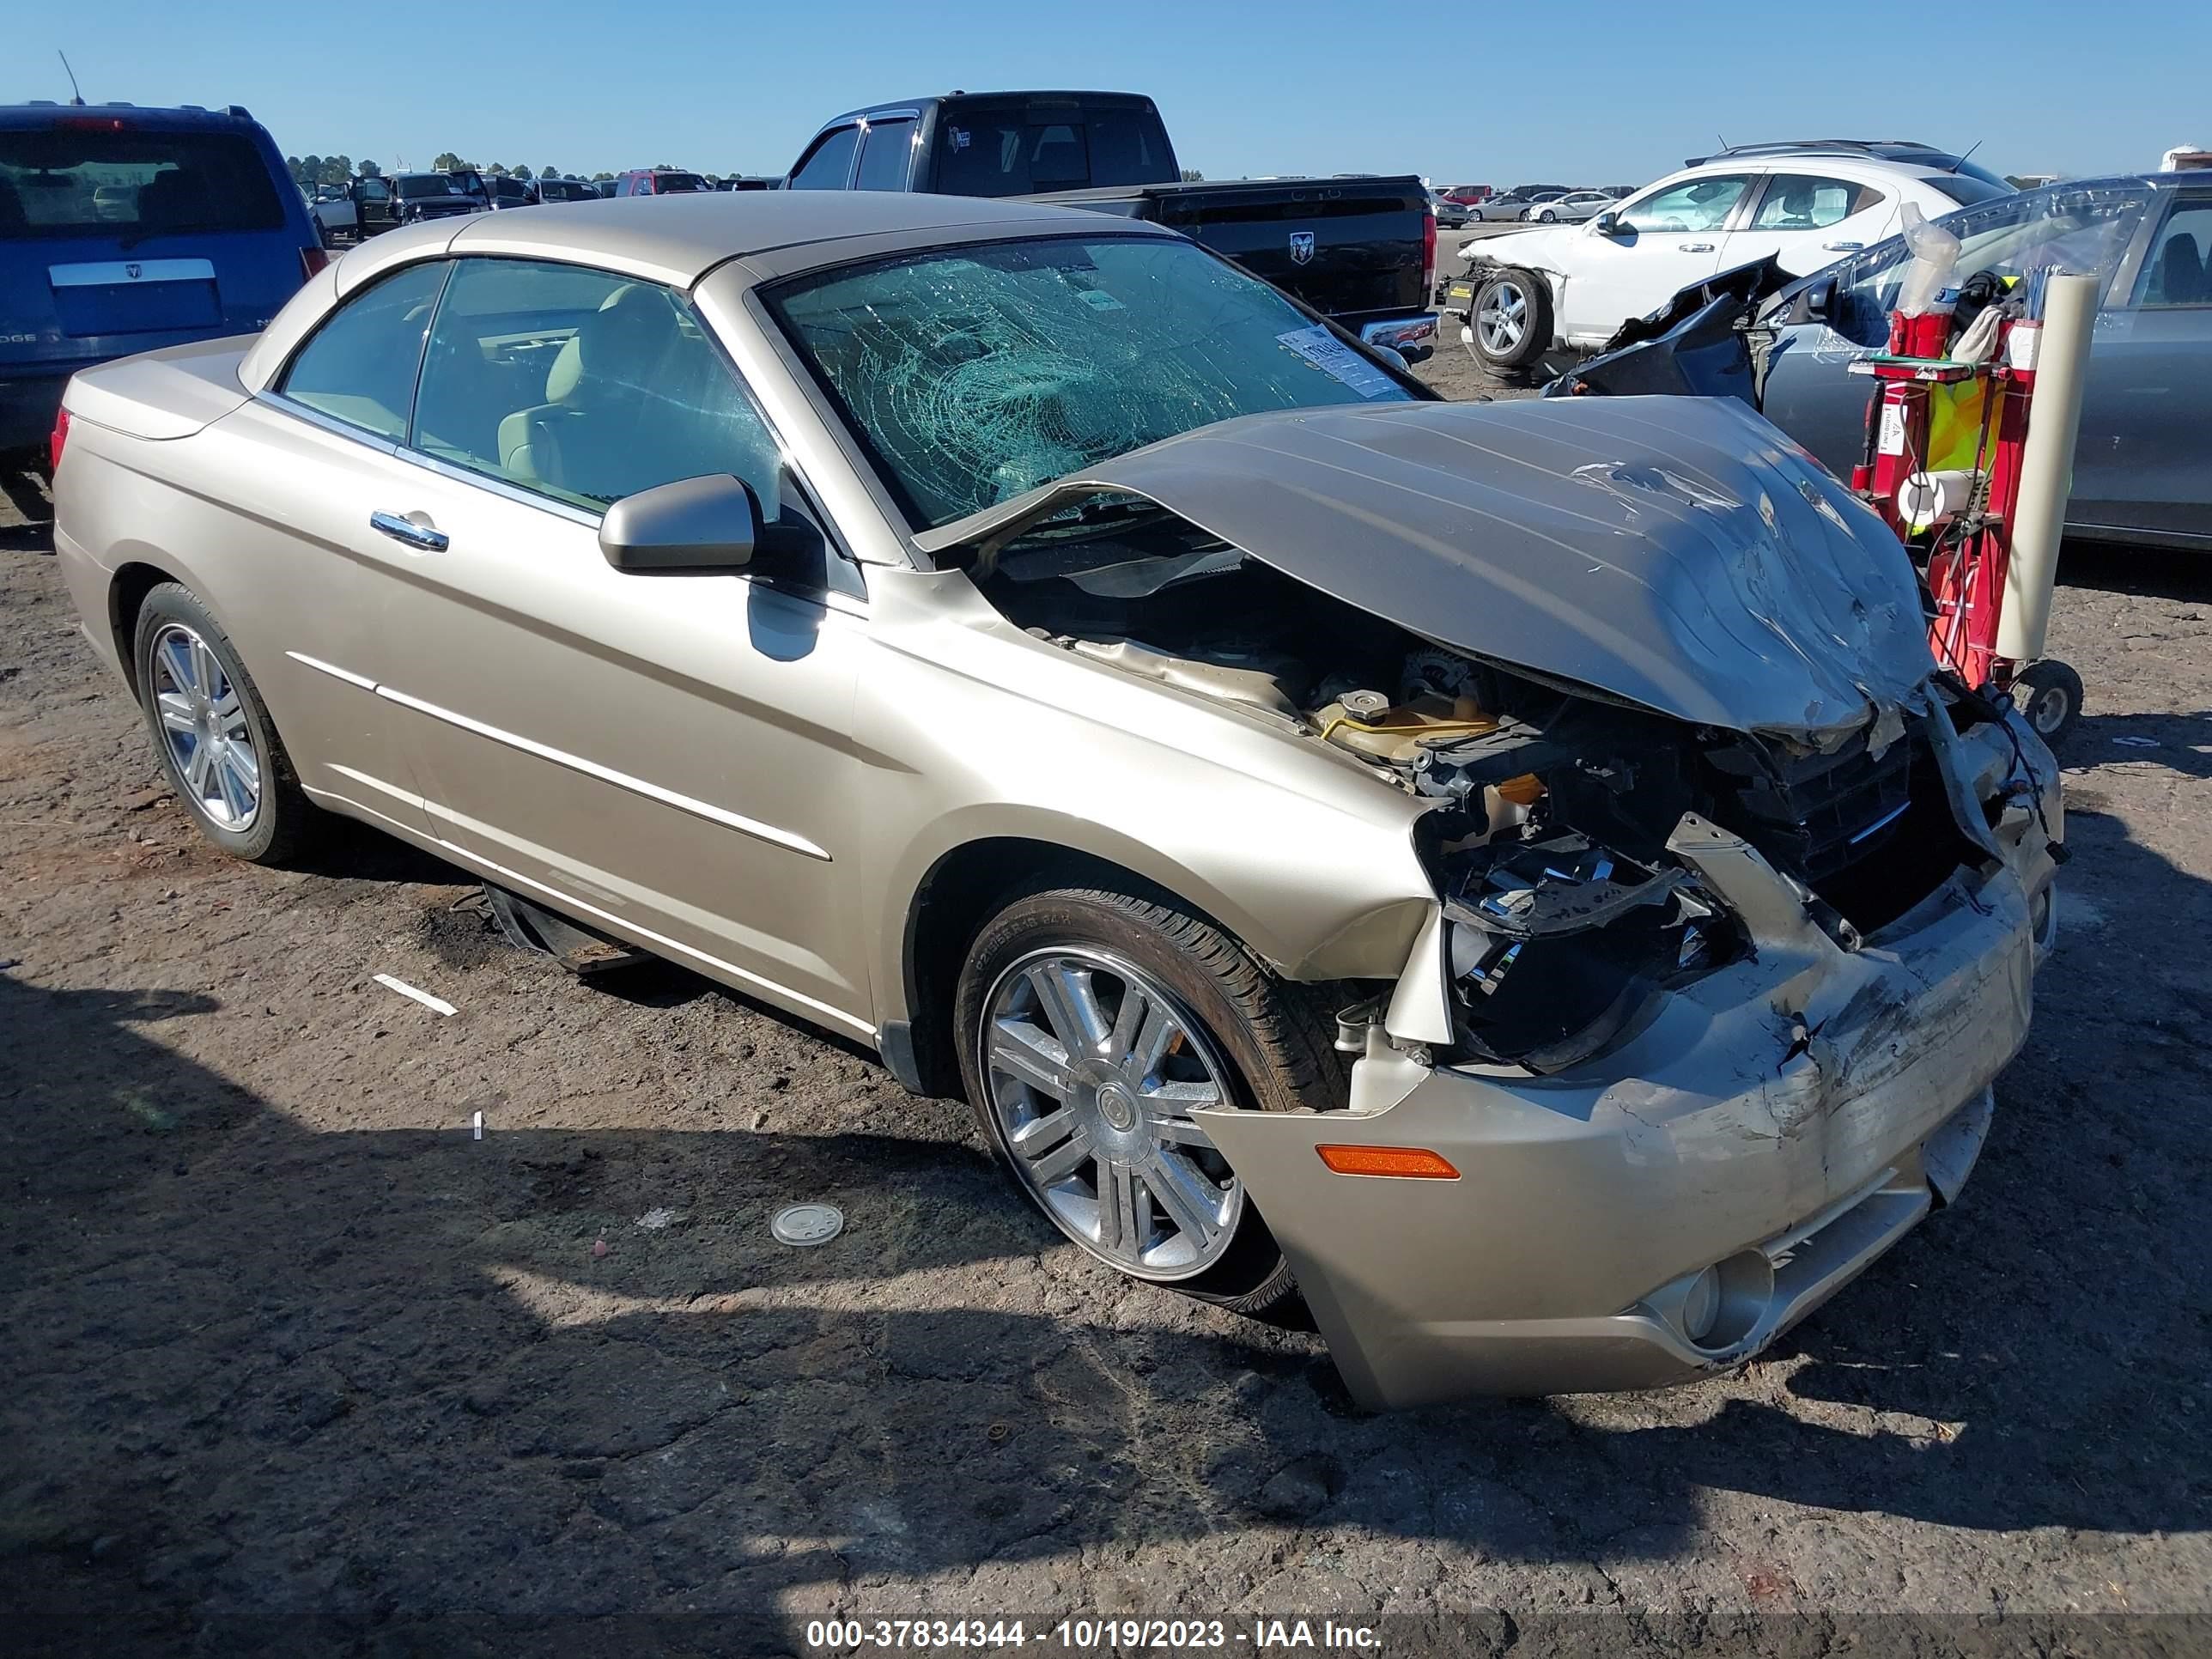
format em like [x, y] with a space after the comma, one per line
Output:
[1089, 1024]
[213, 732]
[1512, 320]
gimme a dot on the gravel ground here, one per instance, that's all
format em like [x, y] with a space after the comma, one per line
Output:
[293, 1362]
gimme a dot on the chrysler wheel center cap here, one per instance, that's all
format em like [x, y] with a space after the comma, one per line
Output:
[1117, 1106]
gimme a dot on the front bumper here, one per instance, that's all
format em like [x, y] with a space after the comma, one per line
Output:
[1784, 1121]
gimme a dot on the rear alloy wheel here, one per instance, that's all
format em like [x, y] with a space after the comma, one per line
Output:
[214, 736]
[1512, 320]
[1091, 1026]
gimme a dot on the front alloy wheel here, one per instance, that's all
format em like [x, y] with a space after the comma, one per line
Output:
[1091, 1026]
[1093, 1071]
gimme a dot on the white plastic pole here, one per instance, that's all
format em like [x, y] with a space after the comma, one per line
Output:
[2046, 464]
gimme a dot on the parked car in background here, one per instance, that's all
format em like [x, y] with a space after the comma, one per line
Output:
[1361, 250]
[123, 229]
[1450, 214]
[502, 192]
[1570, 287]
[1023, 642]
[1571, 209]
[747, 181]
[1468, 195]
[564, 190]
[1509, 204]
[418, 196]
[656, 181]
[2140, 470]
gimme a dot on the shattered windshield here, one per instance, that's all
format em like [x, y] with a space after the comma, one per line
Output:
[975, 374]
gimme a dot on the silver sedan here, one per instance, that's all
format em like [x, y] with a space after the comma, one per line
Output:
[1506, 876]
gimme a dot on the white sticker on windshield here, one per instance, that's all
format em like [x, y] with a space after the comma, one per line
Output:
[1330, 354]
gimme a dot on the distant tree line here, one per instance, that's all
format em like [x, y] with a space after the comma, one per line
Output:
[308, 171]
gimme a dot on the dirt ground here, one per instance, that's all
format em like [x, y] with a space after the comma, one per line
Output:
[293, 1362]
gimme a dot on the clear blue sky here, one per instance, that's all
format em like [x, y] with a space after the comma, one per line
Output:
[1594, 92]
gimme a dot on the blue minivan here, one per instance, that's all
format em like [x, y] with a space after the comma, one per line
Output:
[124, 229]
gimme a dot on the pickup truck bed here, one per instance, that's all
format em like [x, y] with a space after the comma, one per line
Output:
[1367, 258]
[1360, 250]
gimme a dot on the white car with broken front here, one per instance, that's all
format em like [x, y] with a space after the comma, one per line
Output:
[1570, 287]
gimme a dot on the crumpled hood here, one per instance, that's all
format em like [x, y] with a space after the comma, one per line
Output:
[1681, 553]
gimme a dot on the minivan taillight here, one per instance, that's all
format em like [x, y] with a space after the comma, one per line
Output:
[312, 259]
[60, 437]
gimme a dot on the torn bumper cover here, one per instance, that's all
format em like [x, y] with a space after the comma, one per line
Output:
[1668, 1210]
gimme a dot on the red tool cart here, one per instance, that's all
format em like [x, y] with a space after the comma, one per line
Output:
[1948, 452]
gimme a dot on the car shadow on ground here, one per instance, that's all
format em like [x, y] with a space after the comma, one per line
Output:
[27, 493]
[410, 1401]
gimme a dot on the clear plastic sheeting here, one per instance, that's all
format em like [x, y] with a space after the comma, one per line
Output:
[977, 375]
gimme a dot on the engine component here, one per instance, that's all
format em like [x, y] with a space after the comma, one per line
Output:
[1400, 732]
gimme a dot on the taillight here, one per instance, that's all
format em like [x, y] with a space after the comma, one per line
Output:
[1428, 256]
[312, 259]
[60, 437]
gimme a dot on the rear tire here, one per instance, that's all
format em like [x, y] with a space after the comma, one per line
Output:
[1511, 317]
[217, 743]
[1086, 1097]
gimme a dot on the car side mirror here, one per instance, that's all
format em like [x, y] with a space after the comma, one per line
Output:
[711, 523]
[1608, 224]
[1820, 300]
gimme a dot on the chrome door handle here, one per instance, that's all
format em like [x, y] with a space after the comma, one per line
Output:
[1696, 248]
[1842, 247]
[408, 531]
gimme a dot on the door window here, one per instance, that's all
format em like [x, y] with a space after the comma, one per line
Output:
[583, 387]
[830, 163]
[1694, 205]
[884, 155]
[1802, 201]
[360, 365]
[2179, 270]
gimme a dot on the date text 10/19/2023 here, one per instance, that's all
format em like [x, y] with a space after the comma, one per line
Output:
[1087, 1635]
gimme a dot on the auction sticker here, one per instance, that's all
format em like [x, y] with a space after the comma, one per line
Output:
[1333, 357]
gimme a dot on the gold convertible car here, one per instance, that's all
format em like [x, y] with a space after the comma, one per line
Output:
[1506, 875]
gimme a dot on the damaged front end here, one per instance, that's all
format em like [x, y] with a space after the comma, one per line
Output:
[1737, 902]
[1710, 341]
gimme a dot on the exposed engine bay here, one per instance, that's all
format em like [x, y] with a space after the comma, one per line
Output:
[1552, 805]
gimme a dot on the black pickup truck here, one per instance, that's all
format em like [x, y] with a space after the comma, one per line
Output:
[1360, 250]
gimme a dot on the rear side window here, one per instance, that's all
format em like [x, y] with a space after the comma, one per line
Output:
[1804, 201]
[1011, 150]
[583, 387]
[360, 365]
[885, 155]
[665, 184]
[90, 179]
[830, 163]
